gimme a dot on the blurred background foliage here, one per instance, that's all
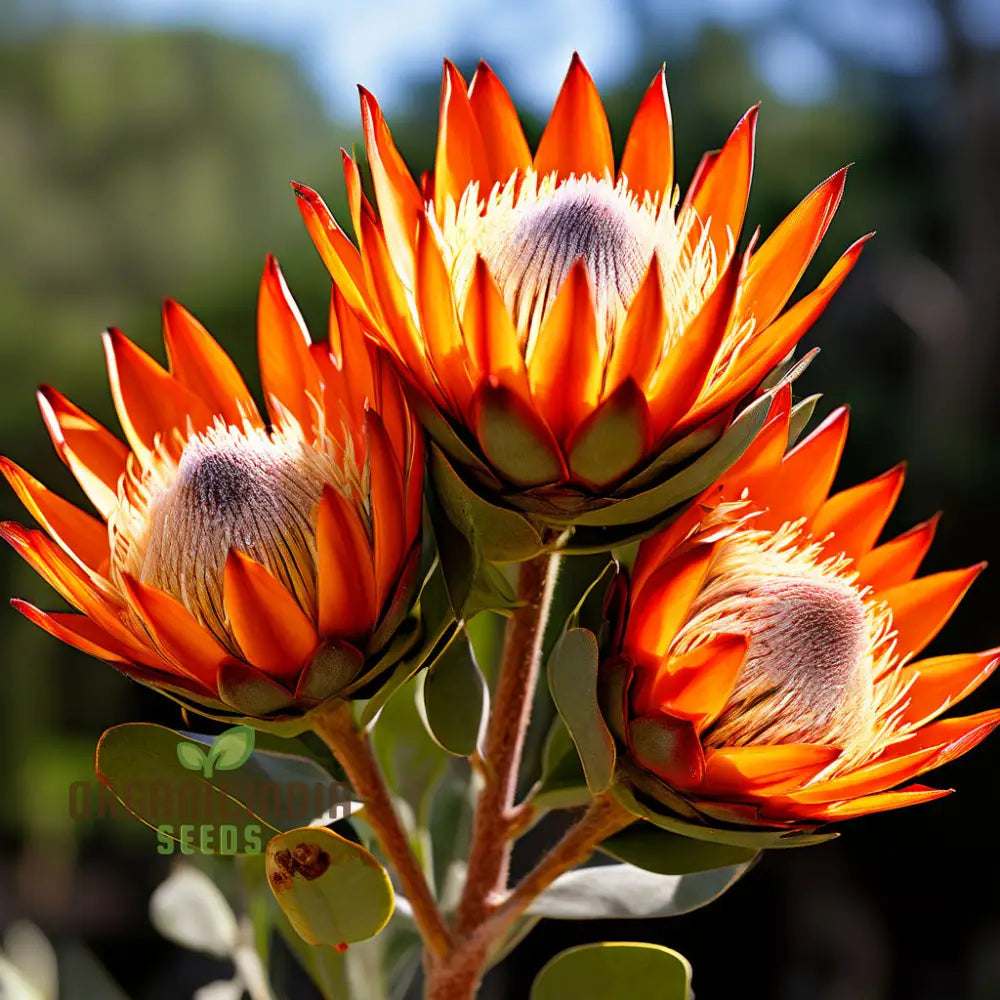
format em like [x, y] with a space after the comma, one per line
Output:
[145, 151]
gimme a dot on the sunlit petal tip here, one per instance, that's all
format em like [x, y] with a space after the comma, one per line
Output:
[577, 139]
[648, 160]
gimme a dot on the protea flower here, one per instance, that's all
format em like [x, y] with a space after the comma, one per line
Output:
[572, 334]
[247, 565]
[766, 672]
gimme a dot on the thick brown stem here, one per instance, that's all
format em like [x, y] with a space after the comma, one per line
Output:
[353, 750]
[489, 853]
[458, 977]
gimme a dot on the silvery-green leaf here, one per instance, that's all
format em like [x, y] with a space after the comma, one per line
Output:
[622, 891]
[190, 910]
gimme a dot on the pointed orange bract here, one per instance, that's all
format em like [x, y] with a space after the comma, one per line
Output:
[576, 139]
[503, 138]
[461, 159]
[92, 453]
[566, 355]
[648, 160]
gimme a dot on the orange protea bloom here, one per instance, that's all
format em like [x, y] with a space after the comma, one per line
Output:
[765, 672]
[249, 566]
[562, 323]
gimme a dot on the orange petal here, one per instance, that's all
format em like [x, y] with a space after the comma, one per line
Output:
[151, 404]
[897, 561]
[339, 254]
[353, 354]
[910, 796]
[564, 368]
[345, 580]
[660, 609]
[287, 371]
[807, 473]
[490, 335]
[187, 645]
[857, 515]
[272, 630]
[875, 777]
[401, 336]
[697, 685]
[775, 269]
[399, 201]
[92, 453]
[75, 630]
[951, 737]
[920, 608]
[198, 362]
[648, 160]
[387, 507]
[769, 346]
[658, 547]
[79, 589]
[721, 186]
[765, 769]
[682, 373]
[757, 469]
[461, 157]
[934, 685]
[503, 138]
[439, 322]
[576, 139]
[81, 536]
[638, 346]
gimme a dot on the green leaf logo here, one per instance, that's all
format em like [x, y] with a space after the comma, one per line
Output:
[229, 750]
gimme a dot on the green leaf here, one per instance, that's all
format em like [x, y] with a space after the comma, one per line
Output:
[572, 674]
[138, 763]
[757, 840]
[454, 699]
[438, 627]
[563, 784]
[191, 756]
[648, 847]
[498, 533]
[189, 909]
[332, 890]
[232, 749]
[625, 892]
[613, 970]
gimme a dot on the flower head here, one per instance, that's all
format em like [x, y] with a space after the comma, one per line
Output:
[563, 323]
[251, 566]
[765, 671]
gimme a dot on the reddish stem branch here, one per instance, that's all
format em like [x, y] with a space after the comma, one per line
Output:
[353, 750]
[489, 853]
[459, 976]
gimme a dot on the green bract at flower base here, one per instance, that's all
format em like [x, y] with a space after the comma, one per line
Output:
[506, 526]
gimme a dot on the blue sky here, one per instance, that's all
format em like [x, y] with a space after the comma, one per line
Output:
[385, 42]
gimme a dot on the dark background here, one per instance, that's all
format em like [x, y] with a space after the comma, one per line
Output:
[139, 160]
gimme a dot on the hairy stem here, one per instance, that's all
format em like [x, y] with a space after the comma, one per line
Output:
[493, 825]
[459, 976]
[353, 750]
